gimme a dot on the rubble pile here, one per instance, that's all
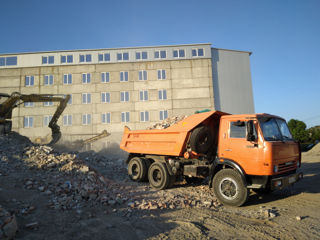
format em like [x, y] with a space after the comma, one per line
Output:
[8, 224]
[315, 151]
[168, 122]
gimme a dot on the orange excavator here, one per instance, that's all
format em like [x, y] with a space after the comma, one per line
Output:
[16, 98]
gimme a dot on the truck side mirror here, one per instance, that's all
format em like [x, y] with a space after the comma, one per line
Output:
[250, 131]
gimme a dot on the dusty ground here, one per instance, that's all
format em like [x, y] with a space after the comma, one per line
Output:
[134, 211]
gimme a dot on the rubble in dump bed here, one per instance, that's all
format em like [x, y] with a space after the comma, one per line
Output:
[168, 122]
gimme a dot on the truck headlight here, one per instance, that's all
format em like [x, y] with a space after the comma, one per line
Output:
[275, 168]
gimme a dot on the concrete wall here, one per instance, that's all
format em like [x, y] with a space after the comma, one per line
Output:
[232, 81]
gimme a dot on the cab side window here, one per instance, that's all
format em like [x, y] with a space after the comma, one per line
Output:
[238, 129]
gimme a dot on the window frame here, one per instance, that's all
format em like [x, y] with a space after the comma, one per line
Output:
[161, 71]
[162, 95]
[87, 97]
[125, 116]
[67, 120]
[68, 79]
[28, 125]
[29, 81]
[178, 52]
[124, 95]
[163, 112]
[197, 52]
[121, 56]
[143, 75]
[160, 55]
[50, 81]
[125, 76]
[104, 58]
[105, 116]
[87, 117]
[86, 78]
[144, 116]
[144, 94]
[105, 94]
[106, 77]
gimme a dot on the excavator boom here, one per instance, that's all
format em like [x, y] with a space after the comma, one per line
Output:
[16, 99]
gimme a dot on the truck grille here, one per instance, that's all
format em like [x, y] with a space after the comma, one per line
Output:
[283, 167]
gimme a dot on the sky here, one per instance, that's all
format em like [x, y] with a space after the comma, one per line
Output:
[283, 36]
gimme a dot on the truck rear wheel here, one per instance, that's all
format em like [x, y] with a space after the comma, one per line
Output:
[158, 176]
[137, 169]
[229, 188]
[201, 139]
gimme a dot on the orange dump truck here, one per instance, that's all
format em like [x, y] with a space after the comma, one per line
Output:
[235, 152]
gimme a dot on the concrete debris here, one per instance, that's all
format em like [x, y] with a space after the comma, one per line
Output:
[8, 224]
[168, 122]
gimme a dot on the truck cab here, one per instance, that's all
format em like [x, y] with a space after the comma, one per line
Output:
[260, 148]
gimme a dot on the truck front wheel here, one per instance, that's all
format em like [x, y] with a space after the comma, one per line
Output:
[137, 169]
[158, 176]
[229, 188]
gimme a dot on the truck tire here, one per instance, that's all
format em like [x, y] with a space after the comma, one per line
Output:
[201, 139]
[7, 127]
[158, 176]
[229, 188]
[137, 169]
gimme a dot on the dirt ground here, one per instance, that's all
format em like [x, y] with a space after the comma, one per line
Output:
[295, 211]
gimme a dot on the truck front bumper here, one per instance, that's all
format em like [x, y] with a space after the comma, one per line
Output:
[282, 182]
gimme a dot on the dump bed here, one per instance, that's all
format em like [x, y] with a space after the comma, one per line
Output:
[170, 141]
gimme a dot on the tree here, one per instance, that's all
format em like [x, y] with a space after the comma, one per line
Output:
[298, 130]
[314, 134]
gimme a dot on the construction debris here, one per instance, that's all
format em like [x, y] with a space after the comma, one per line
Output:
[168, 122]
[8, 224]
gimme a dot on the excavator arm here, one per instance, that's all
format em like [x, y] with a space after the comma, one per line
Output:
[16, 99]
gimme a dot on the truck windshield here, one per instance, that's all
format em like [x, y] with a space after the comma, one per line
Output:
[275, 129]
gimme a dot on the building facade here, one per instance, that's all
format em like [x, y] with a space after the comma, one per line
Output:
[111, 88]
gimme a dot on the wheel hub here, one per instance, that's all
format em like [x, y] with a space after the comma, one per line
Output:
[228, 188]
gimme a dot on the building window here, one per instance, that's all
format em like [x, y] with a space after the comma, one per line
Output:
[162, 74]
[124, 76]
[67, 120]
[46, 104]
[8, 61]
[124, 96]
[143, 75]
[46, 120]
[198, 52]
[106, 117]
[123, 56]
[67, 78]
[163, 114]
[86, 77]
[105, 97]
[85, 58]
[67, 59]
[179, 53]
[86, 119]
[141, 55]
[105, 57]
[48, 60]
[86, 98]
[144, 116]
[125, 117]
[28, 104]
[160, 54]
[48, 80]
[162, 94]
[29, 81]
[105, 77]
[143, 95]
[28, 122]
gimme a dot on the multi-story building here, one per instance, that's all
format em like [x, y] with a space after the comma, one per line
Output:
[138, 86]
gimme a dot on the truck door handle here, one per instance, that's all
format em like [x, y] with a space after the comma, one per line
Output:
[228, 150]
[252, 146]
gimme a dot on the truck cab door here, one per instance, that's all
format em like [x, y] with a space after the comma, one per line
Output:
[238, 147]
